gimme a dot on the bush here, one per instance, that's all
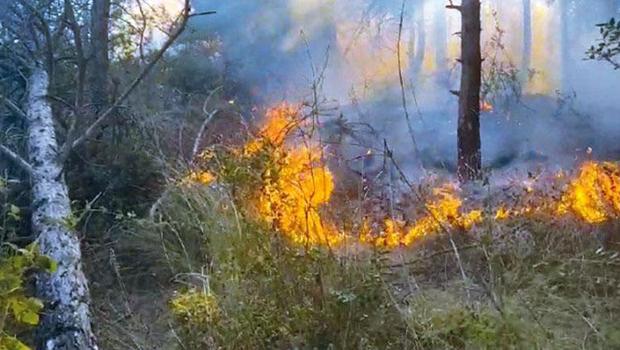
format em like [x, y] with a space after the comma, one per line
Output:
[19, 310]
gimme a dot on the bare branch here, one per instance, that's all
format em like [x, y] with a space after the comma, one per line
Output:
[13, 107]
[183, 19]
[203, 13]
[402, 85]
[452, 6]
[16, 158]
[203, 127]
[206, 122]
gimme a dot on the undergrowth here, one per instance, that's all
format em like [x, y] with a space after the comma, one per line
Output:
[527, 284]
[233, 280]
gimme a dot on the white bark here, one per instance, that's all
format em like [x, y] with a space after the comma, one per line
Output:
[66, 320]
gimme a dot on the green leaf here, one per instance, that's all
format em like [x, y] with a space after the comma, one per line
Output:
[26, 310]
[14, 209]
[8, 342]
[46, 263]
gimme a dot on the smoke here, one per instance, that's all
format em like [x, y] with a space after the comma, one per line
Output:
[567, 111]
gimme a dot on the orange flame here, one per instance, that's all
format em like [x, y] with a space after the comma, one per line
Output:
[486, 106]
[299, 185]
[594, 195]
[442, 214]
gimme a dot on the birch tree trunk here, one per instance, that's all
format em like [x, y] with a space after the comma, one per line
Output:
[469, 164]
[65, 324]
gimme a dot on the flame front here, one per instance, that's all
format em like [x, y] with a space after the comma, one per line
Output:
[297, 185]
[442, 214]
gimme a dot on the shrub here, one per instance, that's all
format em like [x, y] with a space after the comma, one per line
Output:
[19, 311]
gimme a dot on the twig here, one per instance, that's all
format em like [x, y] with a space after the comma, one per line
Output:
[13, 107]
[402, 81]
[184, 18]
[205, 123]
[21, 162]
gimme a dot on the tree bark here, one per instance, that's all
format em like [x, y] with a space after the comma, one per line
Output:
[65, 324]
[469, 163]
[100, 19]
[527, 37]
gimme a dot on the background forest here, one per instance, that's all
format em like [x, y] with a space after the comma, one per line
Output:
[309, 174]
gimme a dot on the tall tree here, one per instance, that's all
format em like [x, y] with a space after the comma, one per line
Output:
[469, 162]
[99, 42]
[38, 37]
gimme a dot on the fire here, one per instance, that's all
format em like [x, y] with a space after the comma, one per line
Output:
[486, 106]
[279, 122]
[444, 213]
[297, 186]
[594, 195]
[202, 177]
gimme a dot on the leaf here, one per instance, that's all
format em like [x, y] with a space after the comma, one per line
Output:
[26, 310]
[14, 209]
[14, 212]
[8, 342]
[46, 263]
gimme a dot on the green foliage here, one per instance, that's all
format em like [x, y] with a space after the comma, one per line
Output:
[608, 46]
[18, 309]
[264, 293]
[441, 322]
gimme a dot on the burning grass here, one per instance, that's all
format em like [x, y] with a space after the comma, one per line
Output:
[292, 187]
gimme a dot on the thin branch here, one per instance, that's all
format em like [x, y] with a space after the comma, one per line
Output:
[184, 18]
[402, 84]
[204, 125]
[13, 107]
[16, 158]
[452, 6]
[203, 13]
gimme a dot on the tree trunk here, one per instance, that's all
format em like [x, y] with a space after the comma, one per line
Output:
[527, 37]
[65, 324]
[100, 19]
[469, 154]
